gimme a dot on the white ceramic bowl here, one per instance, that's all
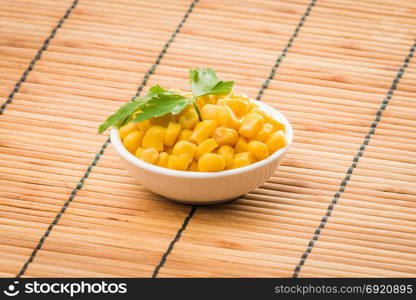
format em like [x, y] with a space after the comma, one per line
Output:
[204, 187]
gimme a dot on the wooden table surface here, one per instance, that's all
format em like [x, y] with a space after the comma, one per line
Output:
[343, 203]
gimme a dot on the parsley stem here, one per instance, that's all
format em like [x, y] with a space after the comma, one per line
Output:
[196, 108]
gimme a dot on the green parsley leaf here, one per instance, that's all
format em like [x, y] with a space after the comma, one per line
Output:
[204, 81]
[153, 91]
[157, 89]
[121, 114]
[161, 105]
[159, 102]
[156, 103]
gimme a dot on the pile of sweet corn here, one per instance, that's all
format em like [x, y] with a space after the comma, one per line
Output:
[234, 132]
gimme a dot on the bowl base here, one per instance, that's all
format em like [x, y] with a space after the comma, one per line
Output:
[193, 202]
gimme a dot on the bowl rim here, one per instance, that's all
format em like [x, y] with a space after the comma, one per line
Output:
[116, 142]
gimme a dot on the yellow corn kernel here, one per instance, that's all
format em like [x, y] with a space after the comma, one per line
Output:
[217, 97]
[258, 149]
[269, 119]
[227, 118]
[163, 160]
[251, 125]
[184, 135]
[276, 141]
[206, 146]
[188, 108]
[242, 159]
[185, 147]
[227, 152]
[238, 106]
[193, 167]
[211, 162]
[209, 112]
[225, 136]
[241, 145]
[162, 120]
[251, 105]
[150, 155]
[204, 100]
[172, 133]
[262, 113]
[143, 125]
[203, 130]
[132, 141]
[178, 162]
[188, 119]
[241, 97]
[126, 129]
[154, 138]
[138, 152]
[265, 133]
[277, 125]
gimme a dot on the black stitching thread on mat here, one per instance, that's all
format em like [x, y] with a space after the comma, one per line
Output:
[104, 146]
[259, 95]
[355, 161]
[60, 213]
[285, 50]
[173, 242]
[37, 57]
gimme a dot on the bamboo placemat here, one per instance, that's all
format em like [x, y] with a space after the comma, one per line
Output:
[341, 205]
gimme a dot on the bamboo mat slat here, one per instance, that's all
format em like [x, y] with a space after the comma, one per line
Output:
[124, 190]
[386, 219]
[47, 164]
[330, 83]
[293, 201]
[21, 36]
